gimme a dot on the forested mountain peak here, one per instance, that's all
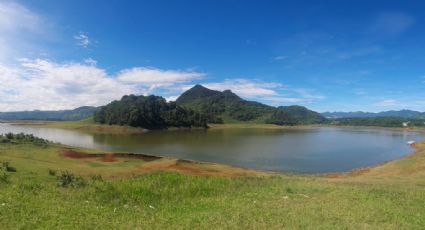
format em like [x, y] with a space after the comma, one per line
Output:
[229, 94]
[227, 107]
[196, 92]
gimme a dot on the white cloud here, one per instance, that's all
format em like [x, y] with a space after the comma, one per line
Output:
[171, 98]
[46, 85]
[83, 39]
[40, 84]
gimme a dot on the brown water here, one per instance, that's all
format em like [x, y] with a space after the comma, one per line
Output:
[314, 150]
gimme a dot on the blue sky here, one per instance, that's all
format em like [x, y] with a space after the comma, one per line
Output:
[328, 56]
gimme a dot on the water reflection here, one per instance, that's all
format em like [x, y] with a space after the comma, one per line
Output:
[297, 150]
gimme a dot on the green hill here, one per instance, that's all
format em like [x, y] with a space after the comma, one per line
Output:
[150, 112]
[227, 107]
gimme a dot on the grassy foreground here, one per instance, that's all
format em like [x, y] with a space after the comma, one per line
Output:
[127, 193]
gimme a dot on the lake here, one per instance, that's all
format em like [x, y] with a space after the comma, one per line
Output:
[313, 150]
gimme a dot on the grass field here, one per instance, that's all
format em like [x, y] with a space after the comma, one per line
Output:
[128, 193]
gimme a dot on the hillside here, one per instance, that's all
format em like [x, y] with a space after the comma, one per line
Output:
[60, 115]
[227, 107]
[392, 113]
[150, 112]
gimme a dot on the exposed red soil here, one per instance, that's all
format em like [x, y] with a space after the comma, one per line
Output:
[154, 163]
[107, 157]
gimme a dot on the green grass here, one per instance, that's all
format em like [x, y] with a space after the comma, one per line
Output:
[168, 200]
[171, 200]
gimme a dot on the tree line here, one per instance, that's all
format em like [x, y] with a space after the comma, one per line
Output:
[150, 112]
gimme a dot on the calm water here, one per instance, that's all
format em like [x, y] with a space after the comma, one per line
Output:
[308, 150]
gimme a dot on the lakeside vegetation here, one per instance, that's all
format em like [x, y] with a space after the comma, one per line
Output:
[396, 122]
[48, 189]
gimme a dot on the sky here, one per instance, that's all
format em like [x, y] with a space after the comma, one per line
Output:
[325, 55]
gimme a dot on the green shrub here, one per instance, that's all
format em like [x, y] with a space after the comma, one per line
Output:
[67, 179]
[4, 177]
[52, 172]
[96, 178]
[23, 138]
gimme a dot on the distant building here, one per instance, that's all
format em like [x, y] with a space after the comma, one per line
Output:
[406, 124]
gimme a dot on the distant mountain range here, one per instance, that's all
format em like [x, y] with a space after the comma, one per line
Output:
[60, 115]
[392, 113]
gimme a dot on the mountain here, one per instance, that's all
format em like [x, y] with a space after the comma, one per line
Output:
[227, 107]
[60, 115]
[392, 113]
[150, 112]
[195, 93]
[293, 115]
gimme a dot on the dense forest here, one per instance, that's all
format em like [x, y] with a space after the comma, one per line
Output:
[227, 107]
[379, 121]
[60, 115]
[150, 112]
[294, 115]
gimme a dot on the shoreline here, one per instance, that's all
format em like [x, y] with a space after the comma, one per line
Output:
[79, 126]
[90, 125]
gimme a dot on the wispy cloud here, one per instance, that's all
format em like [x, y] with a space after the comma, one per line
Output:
[387, 103]
[361, 92]
[18, 26]
[154, 76]
[283, 99]
[280, 58]
[246, 88]
[392, 23]
[15, 17]
[359, 52]
[83, 39]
